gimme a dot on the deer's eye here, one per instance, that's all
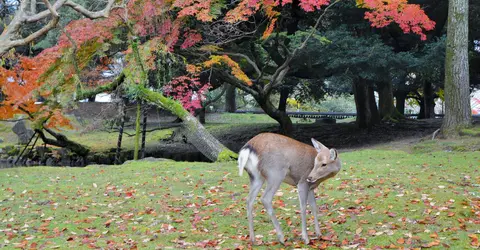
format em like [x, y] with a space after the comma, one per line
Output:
[323, 165]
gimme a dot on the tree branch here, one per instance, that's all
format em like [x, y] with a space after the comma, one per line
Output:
[250, 61]
[237, 83]
[283, 69]
[21, 17]
[91, 14]
[104, 88]
[44, 14]
[210, 101]
[62, 141]
[52, 24]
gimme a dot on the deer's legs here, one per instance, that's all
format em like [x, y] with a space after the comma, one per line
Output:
[303, 190]
[313, 207]
[256, 182]
[273, 184]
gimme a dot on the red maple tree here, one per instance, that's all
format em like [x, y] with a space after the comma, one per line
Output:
[166, 22]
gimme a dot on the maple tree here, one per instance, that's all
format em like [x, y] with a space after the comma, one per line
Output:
[59, 69]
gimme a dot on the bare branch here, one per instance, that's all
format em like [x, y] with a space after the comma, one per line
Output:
[90, 14]
[52, 24]
[33, 6]
[7, 39]
[41, 15]
[222, 32]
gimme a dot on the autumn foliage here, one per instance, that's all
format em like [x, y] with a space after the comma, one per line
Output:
[169, 24]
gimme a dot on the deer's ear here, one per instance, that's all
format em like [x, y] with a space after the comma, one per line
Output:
[318, 146]
[333, 154]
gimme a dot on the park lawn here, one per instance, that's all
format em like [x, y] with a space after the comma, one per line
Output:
[104, 141]
[380, 198]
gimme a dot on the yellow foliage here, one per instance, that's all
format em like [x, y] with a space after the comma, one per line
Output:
[269, 29]
[236, 70]
[360, 3]
[210, 48]
[192, 69]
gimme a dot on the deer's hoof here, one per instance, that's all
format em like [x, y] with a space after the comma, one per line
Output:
[306, 241]
[281, 239]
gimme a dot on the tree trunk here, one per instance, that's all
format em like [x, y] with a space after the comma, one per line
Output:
[458, 113]
[137, 130]
[421, 114]
[62, 141]
[372, 105]
[386, 104]
[367, 113]
[197, 135]
[120, 132]
[144, 131]
[201, 113]
[230, 99]
[286, 125]
[428, 100]
[400, 97]
[282, 104]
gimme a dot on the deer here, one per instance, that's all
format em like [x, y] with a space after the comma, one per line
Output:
[275, 158]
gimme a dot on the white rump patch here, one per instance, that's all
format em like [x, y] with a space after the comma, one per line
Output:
[248, 160]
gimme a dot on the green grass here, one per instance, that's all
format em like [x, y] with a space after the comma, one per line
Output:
[474, 131]
[380, 198]
[101, 141]
[462, 144]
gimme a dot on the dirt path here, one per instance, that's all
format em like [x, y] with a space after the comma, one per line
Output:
[344, 136]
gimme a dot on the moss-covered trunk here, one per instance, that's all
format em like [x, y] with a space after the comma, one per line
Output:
[197, 135]
[120, 131]
[137, 130]
[458, 113]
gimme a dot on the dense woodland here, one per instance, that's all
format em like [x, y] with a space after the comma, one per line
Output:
[184, 55]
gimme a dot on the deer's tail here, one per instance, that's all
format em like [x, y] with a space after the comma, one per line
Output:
[247, 158]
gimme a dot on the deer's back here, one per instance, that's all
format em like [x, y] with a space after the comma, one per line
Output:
[280, 153]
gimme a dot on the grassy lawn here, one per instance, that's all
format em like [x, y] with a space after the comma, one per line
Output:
[381, 198]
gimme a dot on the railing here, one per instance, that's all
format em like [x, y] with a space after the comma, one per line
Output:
[334, 115]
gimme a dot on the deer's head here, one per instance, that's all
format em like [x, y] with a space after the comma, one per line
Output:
[327, 163]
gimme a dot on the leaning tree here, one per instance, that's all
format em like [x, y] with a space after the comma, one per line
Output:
[149, 30]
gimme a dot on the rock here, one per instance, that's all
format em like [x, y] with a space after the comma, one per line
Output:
[80, 162]
[1, 140]
[24, 134]
[4, 163]
[50, 162]
[29, 163]
[10, 161]
[42, 151]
